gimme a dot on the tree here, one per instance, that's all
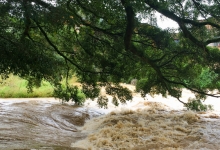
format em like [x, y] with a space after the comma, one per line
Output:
[105, 43]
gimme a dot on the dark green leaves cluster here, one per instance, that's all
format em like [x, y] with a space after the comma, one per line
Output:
[197, 105]
[105, 43]
[69, 93]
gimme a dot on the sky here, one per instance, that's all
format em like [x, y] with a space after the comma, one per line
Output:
[162, 22]
[166, 23]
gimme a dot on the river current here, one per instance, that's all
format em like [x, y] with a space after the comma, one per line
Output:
[47, 124]
[40, 123]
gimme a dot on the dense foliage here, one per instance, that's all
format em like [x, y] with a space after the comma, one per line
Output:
[197, 105]
[105, 43]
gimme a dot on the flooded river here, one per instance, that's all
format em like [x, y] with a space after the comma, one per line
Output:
[47, 124]
[40, 124]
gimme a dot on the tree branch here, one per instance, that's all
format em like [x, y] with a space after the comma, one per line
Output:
[130, 24]
[89, 24]
[182, 23]
[61, 54]
[27, 21]
[191, 89]
[90, 11]
[212, 40]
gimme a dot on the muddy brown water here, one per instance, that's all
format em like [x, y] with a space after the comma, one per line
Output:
[40, 124]
[47, 124]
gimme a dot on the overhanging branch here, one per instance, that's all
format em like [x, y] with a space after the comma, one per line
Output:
[191, 89]
[212, 40]
[62, 55]
[182, 22]
[83, 22]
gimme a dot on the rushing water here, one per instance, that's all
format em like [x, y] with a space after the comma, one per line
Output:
[40, 124]
[47, 124]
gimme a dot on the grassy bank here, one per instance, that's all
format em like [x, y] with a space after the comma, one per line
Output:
[15, 87]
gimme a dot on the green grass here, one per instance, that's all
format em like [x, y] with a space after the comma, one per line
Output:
[15, 87]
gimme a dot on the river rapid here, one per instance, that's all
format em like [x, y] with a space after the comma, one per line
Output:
[47, 124]
[40, 123]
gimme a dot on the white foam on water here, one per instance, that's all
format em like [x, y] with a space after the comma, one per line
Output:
[150, 123]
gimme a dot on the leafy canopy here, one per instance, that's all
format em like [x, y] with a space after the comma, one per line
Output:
[105, 43]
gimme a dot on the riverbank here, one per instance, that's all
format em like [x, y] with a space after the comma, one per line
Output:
[16, 87]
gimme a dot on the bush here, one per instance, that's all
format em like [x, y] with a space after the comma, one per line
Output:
[197, 105]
